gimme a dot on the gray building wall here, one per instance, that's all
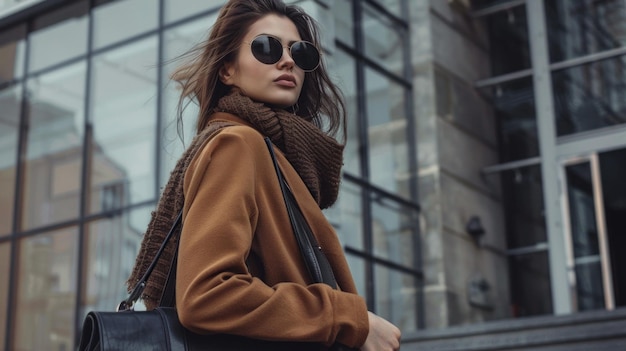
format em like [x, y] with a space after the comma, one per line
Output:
[456, 138]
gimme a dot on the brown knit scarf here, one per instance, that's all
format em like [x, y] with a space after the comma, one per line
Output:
[315, 156]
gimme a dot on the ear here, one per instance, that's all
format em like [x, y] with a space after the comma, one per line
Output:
[227, 73]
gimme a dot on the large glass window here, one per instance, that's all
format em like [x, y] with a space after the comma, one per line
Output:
[344, 23]
[120, 20]
[55, 144]
[123, 113]
[112, 244]
[383, 43]
[527, 241]
[63, 36]
[590, 96]
[393, 228]
[579, 28]
[508, 37]
[345, 68]
[523, 192]
[514, 104]
[396, 297]
[387, 123]
[46, 294]
[347, 216]
[178, 41]
[531, 292]
[393, 6]
[10, 99]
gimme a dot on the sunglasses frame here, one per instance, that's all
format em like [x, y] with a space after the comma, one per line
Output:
[319, 54]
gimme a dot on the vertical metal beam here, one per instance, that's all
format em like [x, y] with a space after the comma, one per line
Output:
[18, 199]
[542, 81]
[85, 189]
[366, 208]
[159, 101]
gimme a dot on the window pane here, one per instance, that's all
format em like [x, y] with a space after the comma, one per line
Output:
[582, 210]
[508, 37]
[357, 268]
[612, 175]
[392, 6]
[10, 106]
[346, 215]
[522, 190]
[119, 20]
[344, 67]
[514, 105]
[396, 297]
[178, 9]
[579, 28]
[12, 53]
[5, 255]
[393, 226]
[590, 96]
[382, 41]
[589, 287]
[63, 35]
[530, 284]
[481, 4]
[111, 246]
[46, 293]
[178, 41]
[387, 129]
[344, 24]
[55, 144]
[124, 126]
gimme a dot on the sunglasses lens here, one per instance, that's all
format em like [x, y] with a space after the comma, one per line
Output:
[269, 50]
[305, 55]
[266, 49]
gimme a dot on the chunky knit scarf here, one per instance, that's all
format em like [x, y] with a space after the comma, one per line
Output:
[314, 155]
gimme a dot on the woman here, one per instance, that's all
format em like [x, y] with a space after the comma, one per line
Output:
[239, 268]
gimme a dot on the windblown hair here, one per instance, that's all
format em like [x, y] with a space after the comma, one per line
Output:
[199, 78]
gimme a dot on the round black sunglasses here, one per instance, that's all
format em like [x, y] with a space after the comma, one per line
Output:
[268, 50]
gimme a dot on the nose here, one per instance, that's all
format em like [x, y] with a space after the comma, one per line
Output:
[286, 61]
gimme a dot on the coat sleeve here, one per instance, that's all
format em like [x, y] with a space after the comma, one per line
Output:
[215, 293]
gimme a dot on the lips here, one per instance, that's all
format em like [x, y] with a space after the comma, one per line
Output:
[286, 80]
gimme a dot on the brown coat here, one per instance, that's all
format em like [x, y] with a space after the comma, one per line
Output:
[239, 267]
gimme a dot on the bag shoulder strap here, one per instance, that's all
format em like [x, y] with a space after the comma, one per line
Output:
[314, 259]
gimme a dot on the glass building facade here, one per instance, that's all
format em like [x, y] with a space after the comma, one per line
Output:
[89, 138]
[482, 169]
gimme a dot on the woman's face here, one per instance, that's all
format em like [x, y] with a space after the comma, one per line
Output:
[277, 84]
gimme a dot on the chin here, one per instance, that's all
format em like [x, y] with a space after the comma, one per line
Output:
[283, 103]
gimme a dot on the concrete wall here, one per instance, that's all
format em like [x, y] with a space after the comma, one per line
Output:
[456, 138]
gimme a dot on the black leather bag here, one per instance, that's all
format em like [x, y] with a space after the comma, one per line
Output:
[160, 329]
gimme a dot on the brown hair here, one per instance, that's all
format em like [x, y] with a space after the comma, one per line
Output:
[199, 78]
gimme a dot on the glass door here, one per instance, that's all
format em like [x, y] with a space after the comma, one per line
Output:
[594, 208]
[589, 263]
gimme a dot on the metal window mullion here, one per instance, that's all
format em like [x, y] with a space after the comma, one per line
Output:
[18, 197]
[542, 82]
[362, 123]
[159, 100]
[85, 182]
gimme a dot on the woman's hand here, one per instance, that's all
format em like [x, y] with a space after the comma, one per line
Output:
[383, 336]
